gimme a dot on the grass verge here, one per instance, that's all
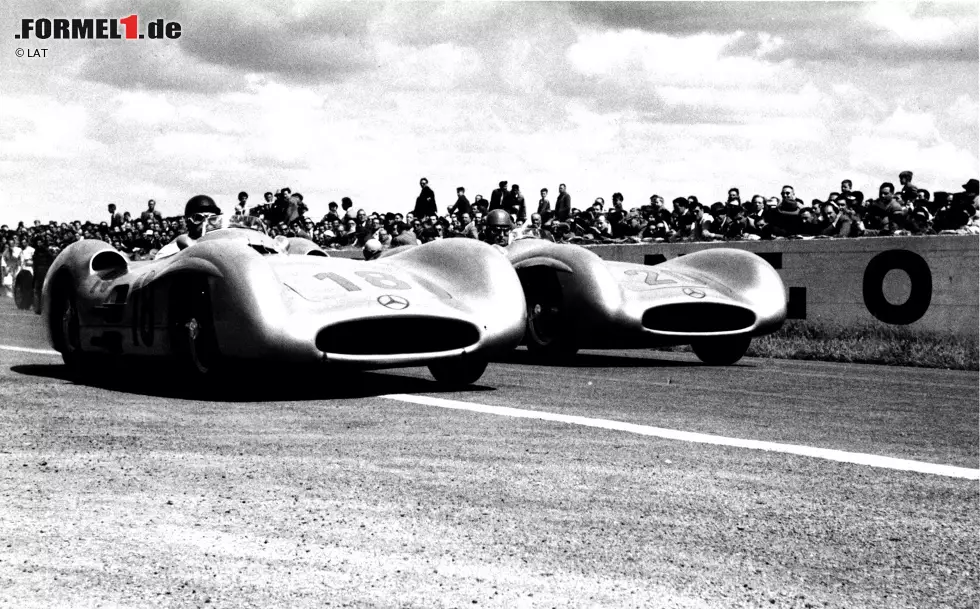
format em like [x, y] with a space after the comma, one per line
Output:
[891, 346]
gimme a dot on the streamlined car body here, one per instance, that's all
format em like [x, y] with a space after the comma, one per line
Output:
[236, 293]
[716, 300]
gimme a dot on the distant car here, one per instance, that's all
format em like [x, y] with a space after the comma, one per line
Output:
[715, 300]
[238, 294]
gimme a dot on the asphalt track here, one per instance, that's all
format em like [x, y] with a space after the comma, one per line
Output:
[625, 479]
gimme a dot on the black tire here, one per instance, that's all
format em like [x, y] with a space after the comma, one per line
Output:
[65, 328]
[721, 351]
[549, 333]
[459, 370]
[193, 337]
[24, 291]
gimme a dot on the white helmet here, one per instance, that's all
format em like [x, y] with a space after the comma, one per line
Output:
[372, 249]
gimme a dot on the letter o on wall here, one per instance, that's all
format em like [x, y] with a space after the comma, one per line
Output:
[920, 295]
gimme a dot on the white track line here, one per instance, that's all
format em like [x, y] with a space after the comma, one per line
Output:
[687, 436]
[29, 350]
[669, 434]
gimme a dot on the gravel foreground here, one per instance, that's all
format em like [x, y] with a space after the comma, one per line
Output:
[117, 499]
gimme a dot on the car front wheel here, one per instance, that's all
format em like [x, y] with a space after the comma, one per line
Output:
[24, 291]
[721, 351]
[458, 371]
[66, 327]
[195, 341]
[549, 334]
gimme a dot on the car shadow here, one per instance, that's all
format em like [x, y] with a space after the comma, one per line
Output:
[649, 359]
[266, 384]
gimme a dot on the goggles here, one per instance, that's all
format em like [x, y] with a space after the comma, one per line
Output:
[200, 217]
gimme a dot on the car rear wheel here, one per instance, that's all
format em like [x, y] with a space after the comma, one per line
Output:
[721, 351]
[194, 339]
[549, 333]
[458, 371]
[24, 291]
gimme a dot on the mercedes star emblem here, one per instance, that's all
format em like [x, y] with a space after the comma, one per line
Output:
[694, 292]
[393, 302]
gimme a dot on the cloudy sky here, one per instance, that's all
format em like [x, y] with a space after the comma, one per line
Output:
[362, 99]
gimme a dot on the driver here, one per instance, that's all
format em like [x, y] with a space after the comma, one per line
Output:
[196, 213]
[500, 228]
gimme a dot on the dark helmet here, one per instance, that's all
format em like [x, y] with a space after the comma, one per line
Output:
[200, 204]
[499, 218]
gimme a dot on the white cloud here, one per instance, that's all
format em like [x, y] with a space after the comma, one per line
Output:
[441, 66]
[940, 165]
[144, 109]
[903, 123]
[900, 20]
[55, 131]
[214, 149]
[965, 110]
[746, 103]
[156, 109]
[645, 57]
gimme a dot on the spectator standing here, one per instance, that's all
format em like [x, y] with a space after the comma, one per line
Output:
[332, 213]
[425, 203]
[885, 210]
[462, 205]
[115, 218]
[680, 213]
[909, 192]
[480, 205]
[847, 188]
[784, 220]
[734, 197]
[735, 227]
[617, 216]
[959, 209]
[348, 206]
[497, 196]
[544, 205]
[515, 203]
[810, 221]
[151, 214]
[563, 204]
[41, 261]
[240, 208]
[658, 209]
[970, 192]
[704, 224]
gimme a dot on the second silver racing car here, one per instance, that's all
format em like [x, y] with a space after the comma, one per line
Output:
[715, 300]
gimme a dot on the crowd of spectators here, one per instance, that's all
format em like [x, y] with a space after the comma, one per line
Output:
[902, 210]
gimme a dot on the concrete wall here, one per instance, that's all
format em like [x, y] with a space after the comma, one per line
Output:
[928, 283]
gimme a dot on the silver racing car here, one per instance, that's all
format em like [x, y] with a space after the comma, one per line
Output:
[237, 293]
[714, 300]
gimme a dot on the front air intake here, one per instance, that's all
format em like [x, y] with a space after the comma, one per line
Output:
[698, 318]
[391, 335]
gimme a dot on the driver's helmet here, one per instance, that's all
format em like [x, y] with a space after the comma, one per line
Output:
[200, 204]
[372, 249]
[499, 226]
